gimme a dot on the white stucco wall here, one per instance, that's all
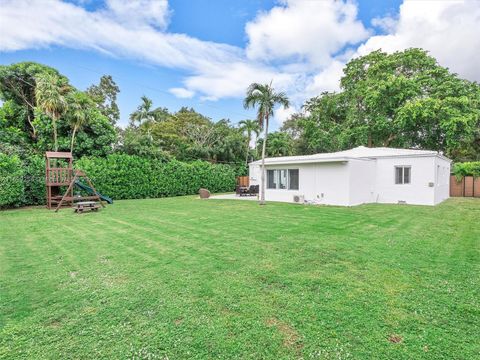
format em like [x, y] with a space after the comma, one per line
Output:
[331, 185]
[418, 192]
[362, 181]
[254, 174]
[321, 183]
[442, 180]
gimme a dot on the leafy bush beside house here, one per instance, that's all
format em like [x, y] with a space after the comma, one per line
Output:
[466, 169]
[11, 184]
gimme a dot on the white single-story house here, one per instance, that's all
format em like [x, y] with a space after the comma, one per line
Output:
[357, 176]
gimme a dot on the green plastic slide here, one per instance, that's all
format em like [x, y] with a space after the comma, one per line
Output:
[90, 191]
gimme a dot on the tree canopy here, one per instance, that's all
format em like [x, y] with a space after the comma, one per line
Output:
[105, 97]
[405, 99]
[40, 108]
[185, 135]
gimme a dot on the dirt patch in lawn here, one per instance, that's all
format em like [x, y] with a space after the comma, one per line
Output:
[396, 339]
[54, 324]
[291, 339]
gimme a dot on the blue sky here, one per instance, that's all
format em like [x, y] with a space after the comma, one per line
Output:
[204, 53]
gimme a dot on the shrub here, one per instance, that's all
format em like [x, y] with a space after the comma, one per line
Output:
[34, 180]
[466, 169]
[11, 184]
[123, 176]
[120, 176]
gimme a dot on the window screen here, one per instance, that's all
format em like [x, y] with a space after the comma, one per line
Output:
[398, 175]
[271, 183]
[406, 175]
[293, 179]
[282, 179]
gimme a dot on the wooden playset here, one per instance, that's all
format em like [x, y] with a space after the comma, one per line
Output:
[60, 173]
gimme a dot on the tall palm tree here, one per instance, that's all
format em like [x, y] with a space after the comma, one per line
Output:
[264, 97]
[144, 112]
[50, 93]
[79, 106]
[250, 127]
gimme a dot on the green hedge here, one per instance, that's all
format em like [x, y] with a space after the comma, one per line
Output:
[12, 190]
[34, 180]
[131, 177]
[120, 176]
[466, 169]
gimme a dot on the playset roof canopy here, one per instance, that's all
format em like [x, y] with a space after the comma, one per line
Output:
[58, 155]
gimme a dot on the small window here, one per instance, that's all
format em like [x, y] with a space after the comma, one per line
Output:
[293, 179]
[402, 174]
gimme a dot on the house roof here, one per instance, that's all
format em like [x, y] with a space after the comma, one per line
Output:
[360, 152]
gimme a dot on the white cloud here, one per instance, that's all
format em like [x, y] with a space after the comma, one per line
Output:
[140, 12]
[303, 36]
[449, 30]
[281, 114]
[326, 80]
[232, 79]
[52, 22]
[182, 93]
[386, 23]
[311, 31]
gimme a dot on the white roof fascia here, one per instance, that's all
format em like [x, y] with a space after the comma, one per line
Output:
[317, 158]
[304, 161]
[308, 161]
[433, 154]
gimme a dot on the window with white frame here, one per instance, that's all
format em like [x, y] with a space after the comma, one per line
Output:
[282, 179]
[403, 174]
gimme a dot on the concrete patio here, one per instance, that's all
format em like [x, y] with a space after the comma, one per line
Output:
[233, 196]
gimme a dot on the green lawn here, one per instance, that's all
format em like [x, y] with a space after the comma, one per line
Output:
[184, 278]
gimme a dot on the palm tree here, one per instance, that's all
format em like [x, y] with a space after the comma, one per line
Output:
[250, 127]
[144, 112]
[264, 97]
[79, 106]
[50, 97]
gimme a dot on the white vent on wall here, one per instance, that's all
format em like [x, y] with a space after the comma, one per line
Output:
[299, 199]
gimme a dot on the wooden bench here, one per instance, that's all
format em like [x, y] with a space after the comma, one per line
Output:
[81, 206]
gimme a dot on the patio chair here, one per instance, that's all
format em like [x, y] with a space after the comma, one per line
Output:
[241, 191]
[253, 190]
